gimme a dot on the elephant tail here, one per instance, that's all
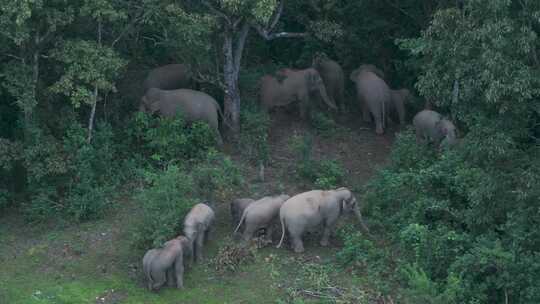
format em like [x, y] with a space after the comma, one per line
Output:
[240, 221]
[282, 220]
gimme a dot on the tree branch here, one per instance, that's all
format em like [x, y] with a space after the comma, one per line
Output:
[127, 28]
[271, 36]
[242, 37]
[266, 32]
[217, 12]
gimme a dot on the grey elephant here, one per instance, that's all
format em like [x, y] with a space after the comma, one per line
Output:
[194, 106]
[169, 77]
[197, 226]
[311, 209]
[303, 86]
[260, 214]
[166, 265]
[432, 126]
[333, 77]
[373, 95]
[237, 209]
[398, 99]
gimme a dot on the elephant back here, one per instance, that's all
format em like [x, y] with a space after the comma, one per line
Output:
[169, 77]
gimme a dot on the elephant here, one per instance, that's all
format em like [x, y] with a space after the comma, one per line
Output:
[197, 226]
[398, 99]
[297, 85]
[434, 127]
[165, 265]
[333, 78]
[237, 209]
[260, 214]
[308, 210]
[373, 94]
[169, 77]
[194, 106]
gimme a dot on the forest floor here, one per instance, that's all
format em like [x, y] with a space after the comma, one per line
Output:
[94, 262]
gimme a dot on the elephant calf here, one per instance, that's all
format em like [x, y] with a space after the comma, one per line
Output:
[197, 226]
[308, 210]
[432, 126]
[166, 265]
[260, 214]
[398, 99]
[194, 106]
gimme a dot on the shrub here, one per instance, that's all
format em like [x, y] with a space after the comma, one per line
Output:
[168, 140]
[216, 177]
[254, 134]
[71, 178]
[325, 125]
[325, 174]
[164, 204]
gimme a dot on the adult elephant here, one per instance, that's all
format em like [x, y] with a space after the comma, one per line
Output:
[169, 77]
[297, 85]
[308, 210]
[194, 106]
[332, 76]
[373, 95]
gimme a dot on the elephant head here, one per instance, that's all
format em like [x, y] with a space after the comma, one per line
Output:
[186, 245]
[315, 85]
[349, 204]
[447, 129]
[148, 101]
[369, 68]
[318, 58]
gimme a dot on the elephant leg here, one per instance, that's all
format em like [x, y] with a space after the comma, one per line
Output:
[379, 127]
[269, 231]
[199, 245]
[170, 277]
[179, 274]
[297, 244]
[207, 234]
[248, 232]
[159, 279]
[365, 110]
[327, 231]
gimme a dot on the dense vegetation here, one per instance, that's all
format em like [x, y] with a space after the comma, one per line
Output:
[464, 221]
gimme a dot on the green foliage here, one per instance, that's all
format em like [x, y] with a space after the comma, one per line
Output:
[255, 126]
[168, 140]
[70, 178]
[326, 126]
[164, 204]
[324, 174]
[216, 176]
[87, 65]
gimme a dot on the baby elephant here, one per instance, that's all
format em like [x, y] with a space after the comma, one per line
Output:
[237, 208]
[166, 264]
[260, 214]
[308, 210]
[197, 225]
[432, 126]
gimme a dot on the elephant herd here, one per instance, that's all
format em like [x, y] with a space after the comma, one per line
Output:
[307, 211]
[167, 92]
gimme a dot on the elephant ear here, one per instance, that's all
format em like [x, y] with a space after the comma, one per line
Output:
[311, 81]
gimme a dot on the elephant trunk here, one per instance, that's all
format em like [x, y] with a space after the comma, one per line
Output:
[356, 211]
[328, 100]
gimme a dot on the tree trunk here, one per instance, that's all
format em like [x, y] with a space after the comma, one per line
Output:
[96, 92]
[232, 95]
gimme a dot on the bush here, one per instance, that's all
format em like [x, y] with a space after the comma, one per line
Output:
[71, 178]
[168, 140]
[164, 204]
[449, 215]
[325, 125]
[324, 174]
[254, 134]
[216, 177]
